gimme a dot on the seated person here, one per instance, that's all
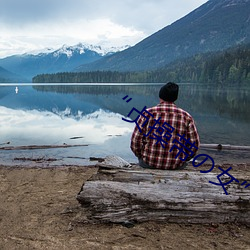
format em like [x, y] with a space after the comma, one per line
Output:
[162, 129]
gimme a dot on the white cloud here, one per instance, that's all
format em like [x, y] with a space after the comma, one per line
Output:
[38, 36]
[33, 24]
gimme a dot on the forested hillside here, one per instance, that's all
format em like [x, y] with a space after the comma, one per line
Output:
[229, 66]
[214, 26]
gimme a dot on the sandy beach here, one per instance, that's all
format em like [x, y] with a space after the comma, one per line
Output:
[38, 210]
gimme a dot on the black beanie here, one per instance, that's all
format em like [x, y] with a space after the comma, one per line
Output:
[169, 92]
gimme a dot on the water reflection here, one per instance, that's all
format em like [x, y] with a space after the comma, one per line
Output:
[52, 114]
[225, 101]
[29, 127]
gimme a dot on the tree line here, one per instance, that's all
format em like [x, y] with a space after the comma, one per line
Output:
[231, 66]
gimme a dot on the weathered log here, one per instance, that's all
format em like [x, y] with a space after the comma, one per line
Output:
[224, 146]
[119, 195]
[29, 147]
[39, 159]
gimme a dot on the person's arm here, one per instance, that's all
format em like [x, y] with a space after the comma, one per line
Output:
[137, 138]
[193, 135]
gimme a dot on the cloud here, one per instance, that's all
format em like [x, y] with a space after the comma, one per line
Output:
[22, 12]
[142, 14]
[30, 24]
[38, 36]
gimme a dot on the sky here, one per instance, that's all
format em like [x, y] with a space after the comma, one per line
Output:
[32, 25]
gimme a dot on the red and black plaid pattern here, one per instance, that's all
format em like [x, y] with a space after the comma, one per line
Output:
[165, 136]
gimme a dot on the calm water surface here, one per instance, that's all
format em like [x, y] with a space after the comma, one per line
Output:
[92, 115]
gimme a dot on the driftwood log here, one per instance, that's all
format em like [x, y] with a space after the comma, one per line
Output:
[120, 195]
[224, 147]
[30, 147]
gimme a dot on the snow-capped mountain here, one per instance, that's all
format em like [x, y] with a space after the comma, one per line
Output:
[64, 59]
[81, 48]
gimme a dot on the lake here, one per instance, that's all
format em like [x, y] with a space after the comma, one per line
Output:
[91, 115]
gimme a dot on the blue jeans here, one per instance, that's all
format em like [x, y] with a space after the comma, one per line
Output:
[145, 165]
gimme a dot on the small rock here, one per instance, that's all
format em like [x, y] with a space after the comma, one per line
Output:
[70, 227]
[67, 210]
[128, 224]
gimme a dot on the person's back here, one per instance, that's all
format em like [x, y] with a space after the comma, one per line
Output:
[166, 136]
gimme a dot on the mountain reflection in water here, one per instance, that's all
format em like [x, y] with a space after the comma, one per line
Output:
[92, 114]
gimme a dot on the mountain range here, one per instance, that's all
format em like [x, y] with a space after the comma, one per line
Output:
[64, 59]
[7, 76]
[214, 26]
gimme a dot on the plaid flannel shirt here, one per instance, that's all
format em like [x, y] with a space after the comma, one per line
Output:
[157, 155]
